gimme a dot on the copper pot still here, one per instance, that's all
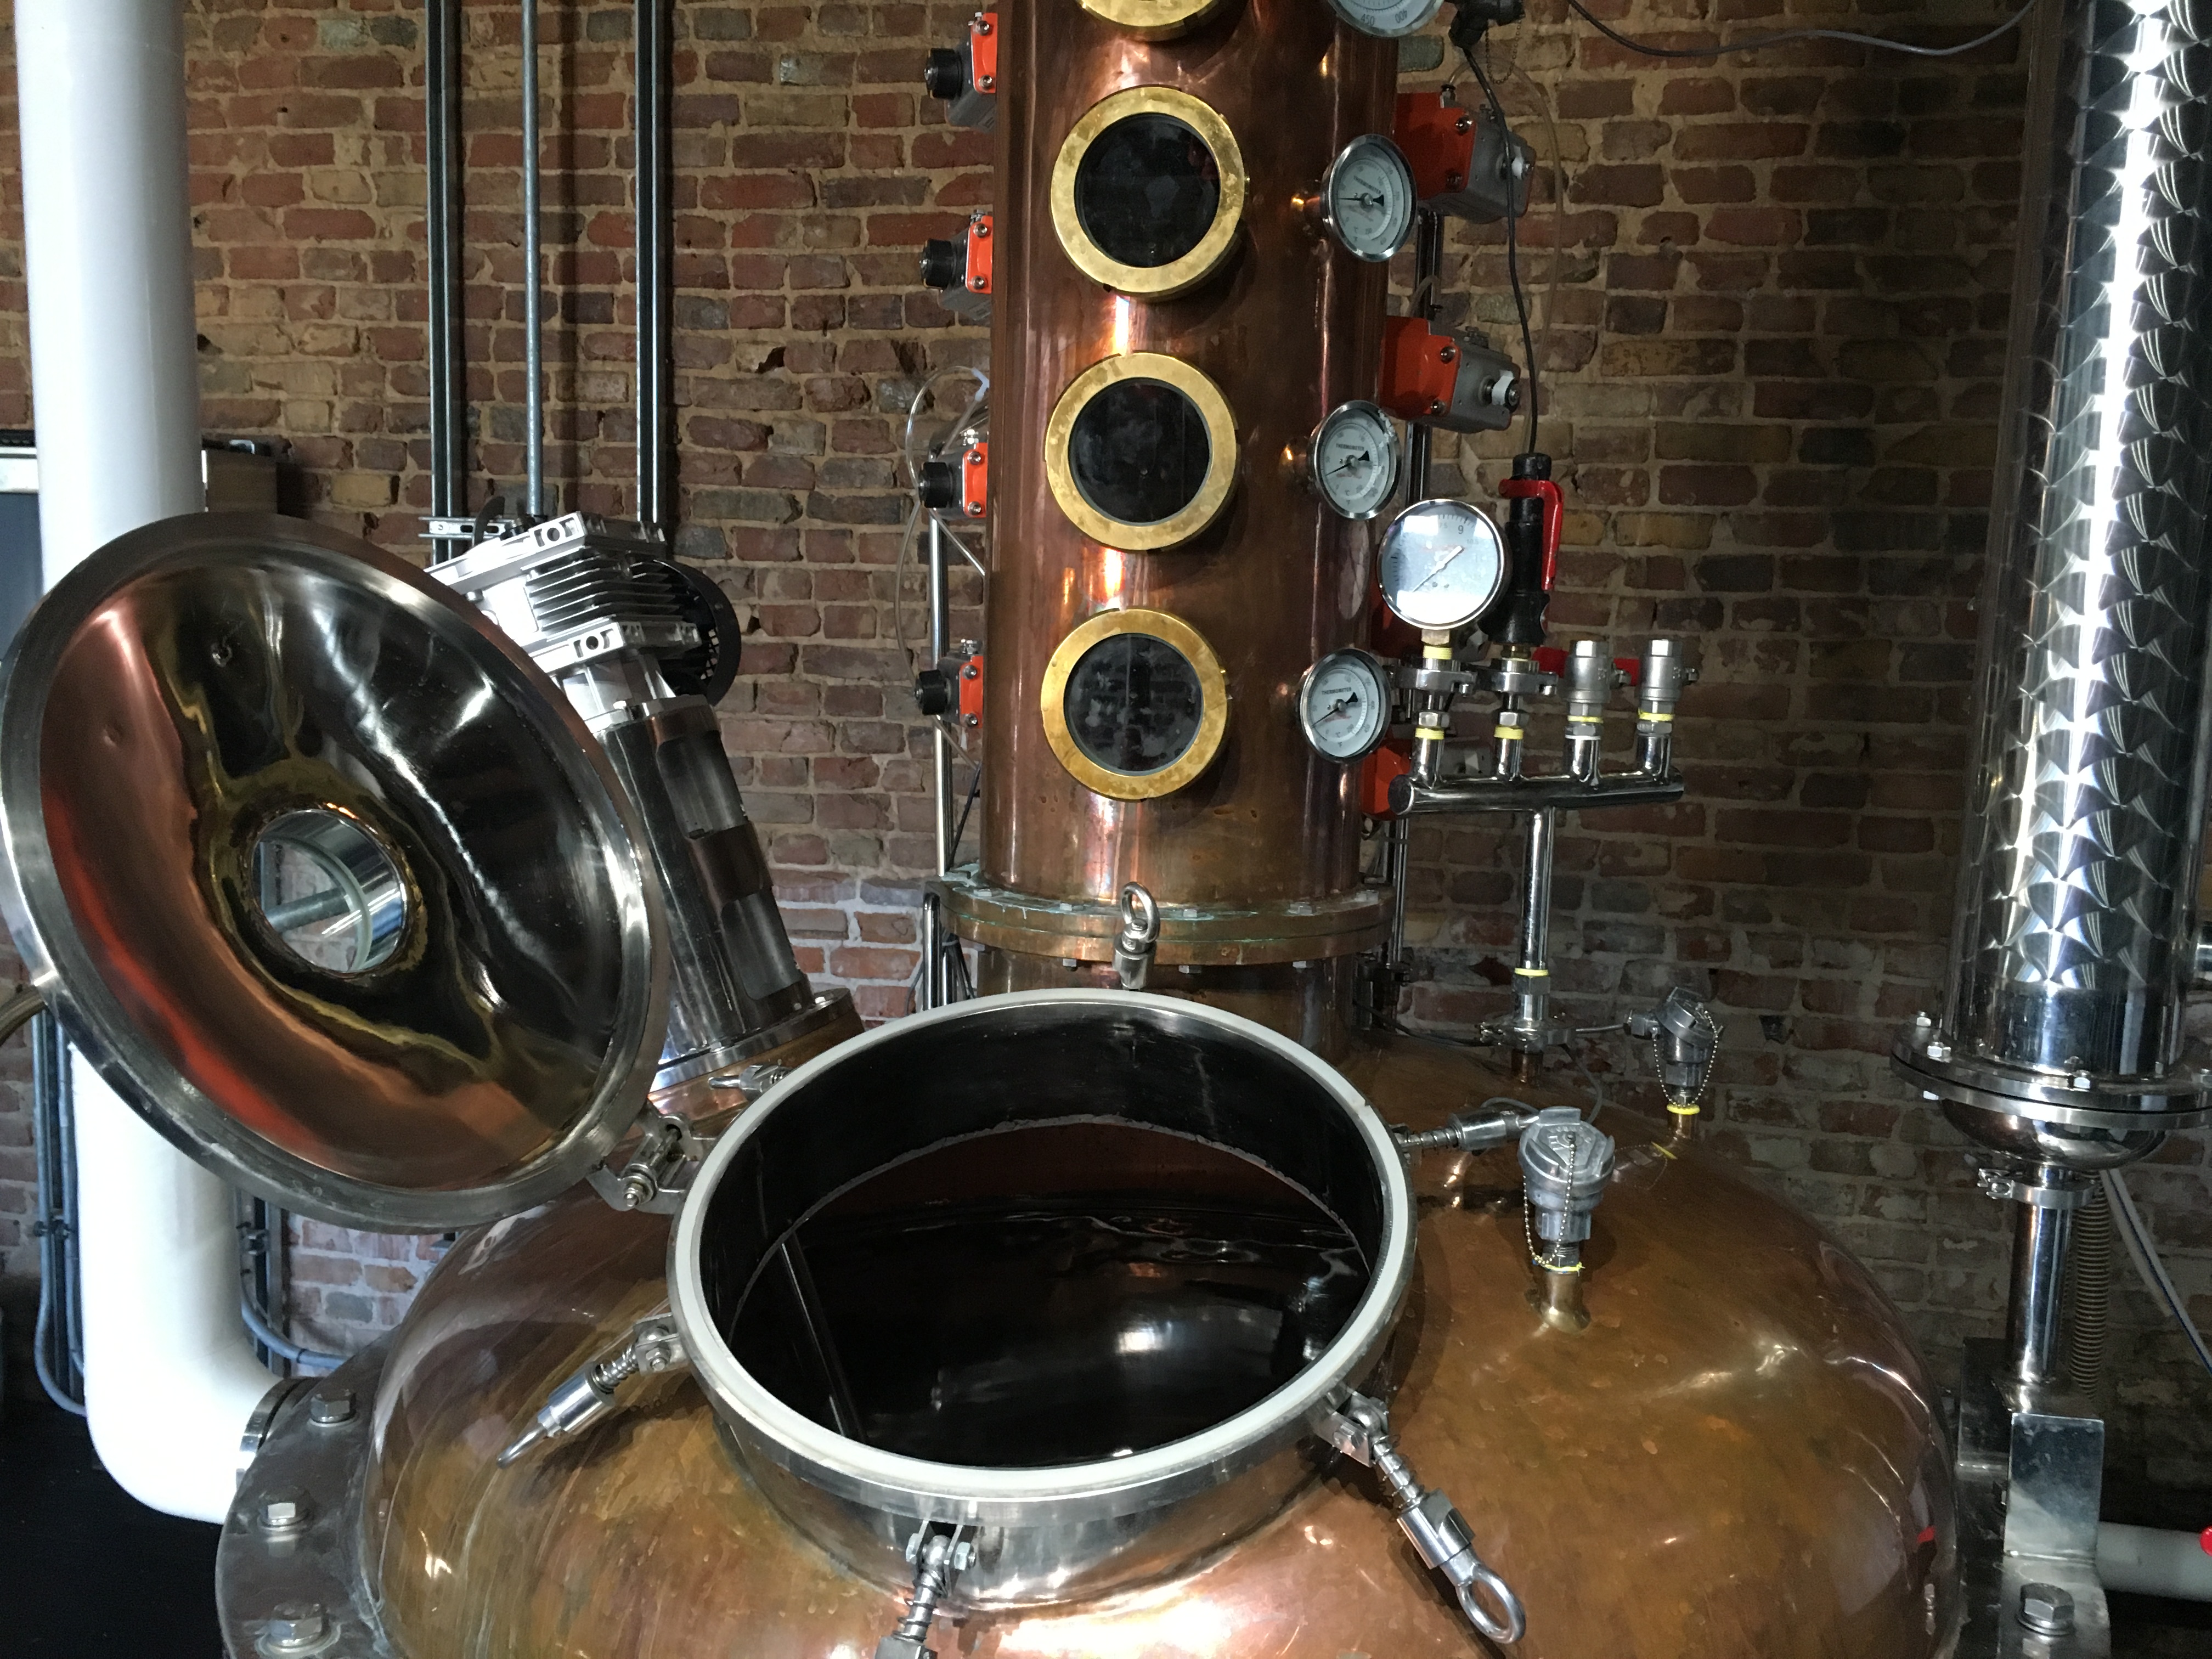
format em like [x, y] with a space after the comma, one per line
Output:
[1063, 1323]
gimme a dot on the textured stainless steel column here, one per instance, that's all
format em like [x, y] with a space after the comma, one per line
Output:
[656, 232]
[441, 220]
[2074, 937]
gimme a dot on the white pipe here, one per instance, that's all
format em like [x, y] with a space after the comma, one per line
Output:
[2153, 1562]
[169, 1377]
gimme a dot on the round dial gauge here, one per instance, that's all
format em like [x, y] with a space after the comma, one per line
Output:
[1353, 459]
[1388, 18]
[1343, 704]
[1443, 564]
[1367, 198]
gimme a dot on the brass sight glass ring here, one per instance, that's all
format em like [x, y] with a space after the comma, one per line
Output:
[1178, 276]
[1214, 719]
[1154, 20]
[1215, 488]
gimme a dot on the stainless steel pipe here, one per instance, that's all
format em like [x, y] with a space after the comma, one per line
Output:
[441, 225]
[656, 253]
[2034, 1343]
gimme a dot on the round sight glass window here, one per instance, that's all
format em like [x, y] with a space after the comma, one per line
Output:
[1147, 191]
[1133, 704]
[328, 891]
[1139, 452]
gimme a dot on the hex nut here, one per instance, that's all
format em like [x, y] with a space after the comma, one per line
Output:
[329, 1410]
[2046, 1609]
[295, 1627]
[284, 1511]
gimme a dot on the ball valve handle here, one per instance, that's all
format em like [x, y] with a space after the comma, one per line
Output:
[1359, 1427]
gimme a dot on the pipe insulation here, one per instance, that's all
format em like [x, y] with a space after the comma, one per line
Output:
[2151, 1561]
[170, 1379]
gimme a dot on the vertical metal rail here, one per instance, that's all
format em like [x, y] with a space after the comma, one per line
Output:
[59, 1339]
[533, 285]
[936, 992]
[442, 220]
[655, 237]
[1397, 847]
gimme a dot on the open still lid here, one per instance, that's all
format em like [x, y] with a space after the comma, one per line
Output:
[325, 878]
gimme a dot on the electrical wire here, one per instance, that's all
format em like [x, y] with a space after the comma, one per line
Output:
[282, 1346]
[1512, 251]
[2144, 1254]
[1759, 42]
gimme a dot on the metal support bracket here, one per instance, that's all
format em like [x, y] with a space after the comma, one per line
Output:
[1359, 1427]
[1139, 938]
[652, 1345]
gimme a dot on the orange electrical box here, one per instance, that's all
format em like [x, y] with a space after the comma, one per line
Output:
[979, 255]
[975, 480]
[1438, 142]
[1420, 369]
[971, 691]
[983, 50]
[1383, 767]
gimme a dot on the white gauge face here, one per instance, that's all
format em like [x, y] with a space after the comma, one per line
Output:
[1368, 198]
[1444, 563]
[1388, 18]
[1355, 460]
[1344, 704]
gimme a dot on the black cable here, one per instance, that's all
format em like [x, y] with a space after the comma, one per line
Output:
[1760, 41]
[953, 853]
[1512, 242]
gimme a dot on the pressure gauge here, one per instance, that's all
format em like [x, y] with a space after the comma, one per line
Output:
[1353, 459]
[1343, 704]
[1443, 564]
[1367, 198]
[1388, 18]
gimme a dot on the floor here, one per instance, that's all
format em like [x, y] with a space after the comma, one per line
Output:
[85, 1569]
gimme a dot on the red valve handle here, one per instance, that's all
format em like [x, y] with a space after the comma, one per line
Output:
[1555, 516]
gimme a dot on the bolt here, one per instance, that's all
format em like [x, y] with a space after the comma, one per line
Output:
[1939, 1051]
[1921, 1018]
[988, 82]
[983, 24]
[2081, 1081]
[284, 1511]
[329, 1410]
[982, 228]
[638, 1189]
[1454, 181]
[295, 1627]
[1464, 124]
[2046, 1609]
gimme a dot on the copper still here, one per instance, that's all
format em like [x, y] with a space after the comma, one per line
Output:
[1163, 1301]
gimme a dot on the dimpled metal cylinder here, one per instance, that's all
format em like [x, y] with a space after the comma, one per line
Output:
[2080, 859]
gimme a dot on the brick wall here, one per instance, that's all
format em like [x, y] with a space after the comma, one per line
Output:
[1770, 299]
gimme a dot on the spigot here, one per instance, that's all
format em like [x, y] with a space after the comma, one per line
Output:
[1664, 671]
[1139, 938]
[1591, 677]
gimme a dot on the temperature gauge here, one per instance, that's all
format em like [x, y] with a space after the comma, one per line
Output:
[1343, 704]
[1443, 564]
[1388, 18]
[1353, 459]
[1367, 198]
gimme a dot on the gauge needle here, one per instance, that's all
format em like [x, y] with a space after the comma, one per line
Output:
[1439, 570]
[1339, 708]
[1356, 461]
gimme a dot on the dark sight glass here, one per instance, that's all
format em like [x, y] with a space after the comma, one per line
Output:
[1139, 451]
[1134, 703]
[1147, 191]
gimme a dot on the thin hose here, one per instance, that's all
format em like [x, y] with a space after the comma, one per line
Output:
[282, 1347]
[39, 1337]
[2144, 1254]
[2090, 1294]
